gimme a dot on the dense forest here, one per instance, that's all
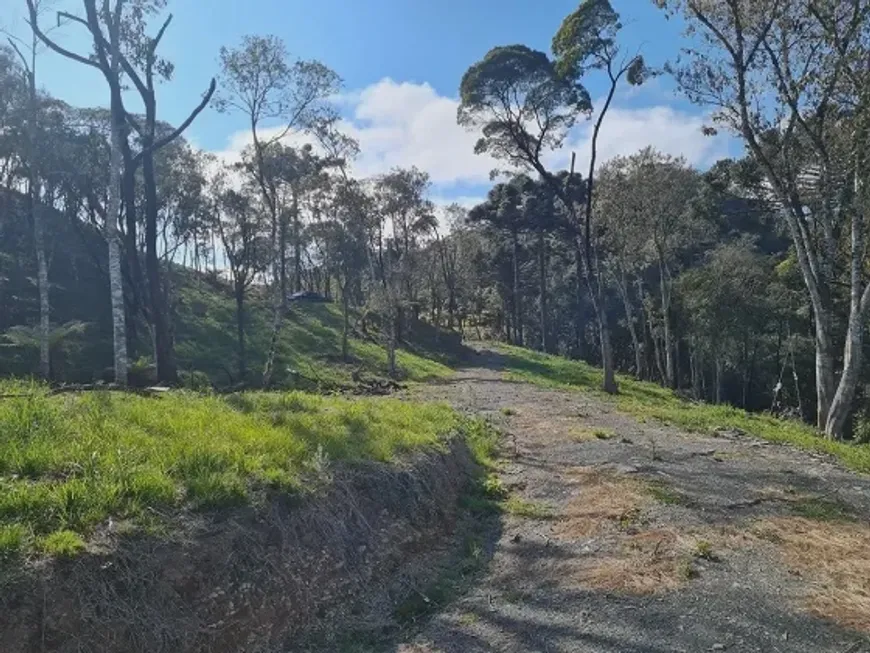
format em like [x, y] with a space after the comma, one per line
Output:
[743, 283]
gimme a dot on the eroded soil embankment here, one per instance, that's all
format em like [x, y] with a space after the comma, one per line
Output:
[259, 579]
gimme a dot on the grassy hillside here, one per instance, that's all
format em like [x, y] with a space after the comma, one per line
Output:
[309, 346]
[70, 462]
[650, 401]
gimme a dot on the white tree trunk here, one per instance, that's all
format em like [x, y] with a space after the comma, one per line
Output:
[116, 283]
[42, 282]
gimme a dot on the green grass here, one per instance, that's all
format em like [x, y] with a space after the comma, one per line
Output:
[528, 509]
[820, 509]
[69, 462]
[309, 345]
[664, 494]
[649, 401]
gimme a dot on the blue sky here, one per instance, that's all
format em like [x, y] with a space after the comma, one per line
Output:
[401, 61]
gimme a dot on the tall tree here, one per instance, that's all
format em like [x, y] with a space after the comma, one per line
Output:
[105, 26]
[652, 201]
[791, 79]
[258, 80]
[31, 154]
[502, 209]
[141, 51]
[586, 43]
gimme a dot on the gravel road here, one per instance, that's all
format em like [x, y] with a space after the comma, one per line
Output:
[636, 537]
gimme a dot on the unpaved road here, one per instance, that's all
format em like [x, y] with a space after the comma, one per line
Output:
[649, 541]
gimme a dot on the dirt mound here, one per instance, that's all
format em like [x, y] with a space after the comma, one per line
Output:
[259, 579]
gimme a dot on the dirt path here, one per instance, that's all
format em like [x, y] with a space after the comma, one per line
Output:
[623, 537]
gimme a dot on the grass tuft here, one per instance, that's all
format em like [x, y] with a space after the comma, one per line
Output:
[528, 509]
[62, 544]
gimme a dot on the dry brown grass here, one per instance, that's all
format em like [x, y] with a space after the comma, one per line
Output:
[834, 559]
[645, 563]
[637, 562]
[604, 501]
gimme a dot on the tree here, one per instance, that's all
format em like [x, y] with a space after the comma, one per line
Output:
[31, 155]
[258, 81]
[346, 239]
[241, 232]
[107, 60]
[402, 212]
[143, 52]
[502, 210]
[652, 199]
[586, 42]
[791, 79]
[524, 104]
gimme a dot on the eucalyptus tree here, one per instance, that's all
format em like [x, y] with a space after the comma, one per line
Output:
[105, 27]
[27, 51]
[525, 104]
[258, 80]
[402, 212]
[346, 239]
[791, 80]
[239, 224]
[654, 207]
[140, 52]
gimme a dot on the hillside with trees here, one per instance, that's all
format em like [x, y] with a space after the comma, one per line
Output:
[256, 297]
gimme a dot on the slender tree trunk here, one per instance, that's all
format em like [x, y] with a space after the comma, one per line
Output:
[579, 321]
[42, 283]
[596, 285]
[825, 381]
[297, 244]
[697, 371]
[345, 309]
[717, 382]
[113, 210]
[542, 271]
[517, 305]
[137, 279]
[38, 225]
[840, 406]
[391, 344]
[622, 285]
[240, 330]
[164, 355]
[282, 260]
[670, 372]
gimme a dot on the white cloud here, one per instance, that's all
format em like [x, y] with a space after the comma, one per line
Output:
[405, 124]
[627, 130]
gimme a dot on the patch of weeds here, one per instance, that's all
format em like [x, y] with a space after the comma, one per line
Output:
[508, 412]
[704, 550]
[582, 434]
[666, 495]
[468, 619]
[493, 488]
[62, 544]
[819, 509]
[686, 570]
[482, 438]
[529, 509]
